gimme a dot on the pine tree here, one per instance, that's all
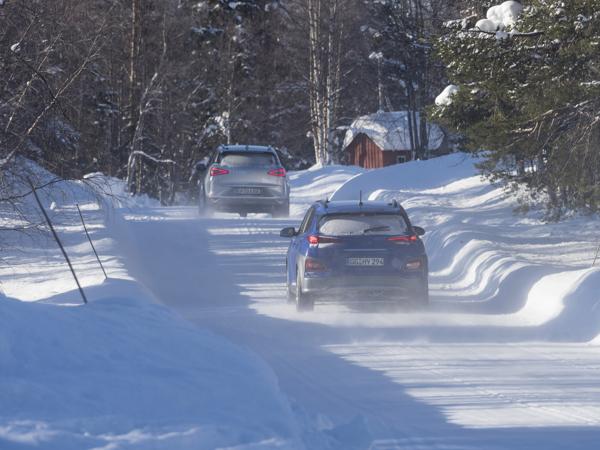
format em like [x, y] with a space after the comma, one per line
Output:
[529, 95]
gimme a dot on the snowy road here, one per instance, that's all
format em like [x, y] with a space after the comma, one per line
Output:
[450, 378]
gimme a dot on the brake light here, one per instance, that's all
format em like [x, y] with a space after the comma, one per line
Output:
[414, 265]
[313, 265]
[277, 172]
[215, 171]
[412, 238]
[316, 240]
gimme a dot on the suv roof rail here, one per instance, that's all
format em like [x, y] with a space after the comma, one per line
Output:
[246, 146]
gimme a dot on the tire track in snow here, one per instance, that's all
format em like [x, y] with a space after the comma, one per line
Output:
[250, 249]
[391, 358]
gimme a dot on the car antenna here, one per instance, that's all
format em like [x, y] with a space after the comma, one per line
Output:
[360, 202]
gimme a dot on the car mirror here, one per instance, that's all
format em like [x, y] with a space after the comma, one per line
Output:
[288, 232]
[420, 231]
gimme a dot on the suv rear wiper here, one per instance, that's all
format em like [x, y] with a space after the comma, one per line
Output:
[375, 229]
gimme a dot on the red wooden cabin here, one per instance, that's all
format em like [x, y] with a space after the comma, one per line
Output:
[383, 139]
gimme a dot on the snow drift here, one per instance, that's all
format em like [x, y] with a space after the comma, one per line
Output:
[406, 178]
[122, 371]
[517, 268]
[317, 183]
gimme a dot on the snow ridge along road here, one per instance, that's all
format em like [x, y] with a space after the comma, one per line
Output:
[505, 358]
[123, 371]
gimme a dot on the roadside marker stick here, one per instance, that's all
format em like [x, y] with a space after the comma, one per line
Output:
[90, 239]
[64, 252]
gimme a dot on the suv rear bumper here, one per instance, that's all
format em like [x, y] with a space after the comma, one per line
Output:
[247, 203]
[401, 285]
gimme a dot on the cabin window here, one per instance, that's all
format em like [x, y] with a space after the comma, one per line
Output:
[400, 159]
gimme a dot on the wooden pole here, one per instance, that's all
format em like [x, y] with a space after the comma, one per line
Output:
[64, 252]
[91, 243]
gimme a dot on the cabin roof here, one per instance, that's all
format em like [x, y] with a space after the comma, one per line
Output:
[390, 131]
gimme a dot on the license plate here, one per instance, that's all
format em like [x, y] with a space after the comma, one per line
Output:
[248, 191]
[368, 262]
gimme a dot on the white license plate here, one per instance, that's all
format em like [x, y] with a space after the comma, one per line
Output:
[365, 262]
[248, 191]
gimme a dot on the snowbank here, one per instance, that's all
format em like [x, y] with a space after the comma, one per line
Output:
[317, 183]
[417, 175]
[114, 190]
[564, 305]
[122, 371]
[517, 270]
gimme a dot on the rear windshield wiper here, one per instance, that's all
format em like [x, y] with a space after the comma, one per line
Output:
[376, 229]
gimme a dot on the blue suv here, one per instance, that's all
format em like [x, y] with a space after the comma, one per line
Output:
[355, 251]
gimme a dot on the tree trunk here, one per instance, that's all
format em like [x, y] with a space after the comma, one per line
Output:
[134, 94]
[325, 47]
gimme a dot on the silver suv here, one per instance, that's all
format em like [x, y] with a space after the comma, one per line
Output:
[244, 179]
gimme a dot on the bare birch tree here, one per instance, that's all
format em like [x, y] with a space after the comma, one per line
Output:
[326, 44]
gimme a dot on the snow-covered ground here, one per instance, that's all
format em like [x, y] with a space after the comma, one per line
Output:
[124, 371]
[190, 344]
[317, 183]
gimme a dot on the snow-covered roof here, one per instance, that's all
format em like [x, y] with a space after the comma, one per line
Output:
[390, 131]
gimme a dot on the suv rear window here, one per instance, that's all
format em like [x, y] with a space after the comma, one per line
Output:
[233, 159]
[363, 224]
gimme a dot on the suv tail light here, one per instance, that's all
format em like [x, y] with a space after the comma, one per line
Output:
[314, 265]
[215, 171]
[277, 172]
[414, 265]
[315, 240]
[403, 239]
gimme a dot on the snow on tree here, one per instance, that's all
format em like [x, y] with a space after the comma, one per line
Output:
[499, 17]
[445, 97]
[531, 99]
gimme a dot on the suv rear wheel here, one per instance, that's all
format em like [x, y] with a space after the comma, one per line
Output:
[203, 207]
[421, 297]
[282, 212]
[304, 301]
[290, 292]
